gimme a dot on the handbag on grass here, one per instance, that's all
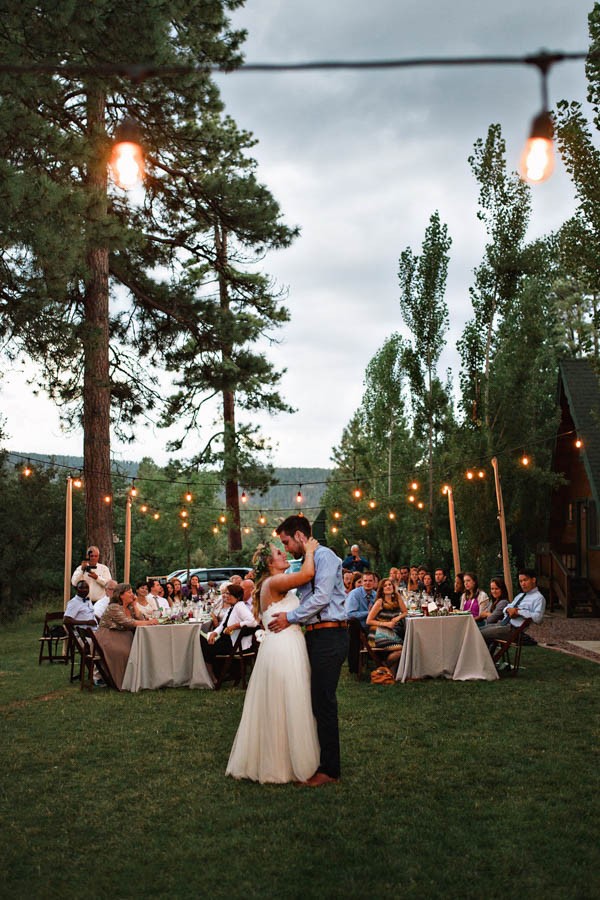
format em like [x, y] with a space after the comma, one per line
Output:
[382, 675]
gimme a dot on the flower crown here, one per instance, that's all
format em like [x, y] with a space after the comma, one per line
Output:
[261, 560]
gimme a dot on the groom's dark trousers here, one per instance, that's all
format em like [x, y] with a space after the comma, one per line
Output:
[327, 650]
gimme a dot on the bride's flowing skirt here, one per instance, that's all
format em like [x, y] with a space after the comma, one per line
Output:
[277, 737]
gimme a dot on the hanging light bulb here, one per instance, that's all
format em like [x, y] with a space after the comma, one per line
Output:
[274, 533]
[222, 519]
[183, 513]
[357, 493]
[299, 497]
[185, 524]
[107, 499]
[127, 157]
[244, 498]
[470, 476]
[537, 159]
[525, 460]
[363, 522]
[27, 470]
[337, 515]
[215, 529]
[446, 489]
[262, 519]
[411, 498]
[579, 443]
[372, 504]
[481, 474]
[77, 482]
[247, 530]
[143, 508]
[420, 504]
[188, 496]
[334, 529]
[414, 486]
[156, 516]
[133, 490]
[391, 516]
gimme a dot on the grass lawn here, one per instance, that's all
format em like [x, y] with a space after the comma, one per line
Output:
[452, 790]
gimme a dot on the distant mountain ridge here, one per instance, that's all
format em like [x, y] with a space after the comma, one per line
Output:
[310, 481]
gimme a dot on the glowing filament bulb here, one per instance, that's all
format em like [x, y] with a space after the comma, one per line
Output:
[156, 516]
[579, 443]
[185, 524]
[420, 505]
[525, 460]
[334, 529]
[143, 508]
[188, 497]
[363, 522]
[107, 499]
[244, 498]
[183, 513]
[411, 498]
[470, 475]
[77, 482]
[337, 515]
[357, 493]
[262, 520]
[414, 486]
[222, 519]
[481, 474]
[372, 504]
[391, 516]
[27, 470]
[299, 497]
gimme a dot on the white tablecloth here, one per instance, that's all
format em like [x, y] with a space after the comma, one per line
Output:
[448, 646]
[166, 656]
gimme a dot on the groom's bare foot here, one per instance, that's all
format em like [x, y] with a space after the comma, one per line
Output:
[318, 780]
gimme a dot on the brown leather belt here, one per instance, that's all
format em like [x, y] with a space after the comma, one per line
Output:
[319, 625]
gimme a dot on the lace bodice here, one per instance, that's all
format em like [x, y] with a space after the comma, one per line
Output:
[286, 604]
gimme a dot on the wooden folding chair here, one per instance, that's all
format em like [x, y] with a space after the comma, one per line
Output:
[369, 652]
[53, 635]
[513, 642]
[239, 657]
[91, 657]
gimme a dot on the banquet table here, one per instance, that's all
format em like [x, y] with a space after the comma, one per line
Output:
[166, 656]
[446, 646]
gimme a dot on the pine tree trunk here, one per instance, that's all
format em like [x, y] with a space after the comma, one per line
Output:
[96, 382]
[230, 464]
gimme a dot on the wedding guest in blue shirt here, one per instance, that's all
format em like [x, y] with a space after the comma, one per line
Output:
[358, 604]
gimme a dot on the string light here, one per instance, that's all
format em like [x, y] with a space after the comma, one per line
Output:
[579, 443]
[222, 519]
[156, 516]
[107, 499]
[188, 496]
[391, 516]
[27, 470]
[274, 534]
[420, 505]
[372, 504]
[446, 489]
[77, 482]
[144, 508]
[299, 497]
[525, 460]
[357, 493]
[414, 486]
[183, 513]
[337, 515]
[411, 498]
[215, 529]
[185, 524]
[244, 498]
[334, 529]
[127, 157]
[481, 474]
[363, 522]
[133, 491]
[470, 475]
[247, 530]
[262, 519]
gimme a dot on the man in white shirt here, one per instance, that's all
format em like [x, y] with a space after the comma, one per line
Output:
[101, 604]
[156, 593]
[79, 609]
[93, 573]
[529, 604]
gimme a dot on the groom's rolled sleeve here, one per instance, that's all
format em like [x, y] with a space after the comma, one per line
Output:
[320, 599]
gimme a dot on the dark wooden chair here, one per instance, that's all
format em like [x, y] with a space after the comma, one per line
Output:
[369, 652]
[238, 659]
[52, 646]
[514, 643]
[90, 657]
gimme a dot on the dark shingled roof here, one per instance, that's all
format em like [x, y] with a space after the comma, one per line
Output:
[582, 390]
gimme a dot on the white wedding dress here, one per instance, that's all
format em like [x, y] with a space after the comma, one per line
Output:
[277, 736]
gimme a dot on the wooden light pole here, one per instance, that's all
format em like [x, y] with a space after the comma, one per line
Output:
[502, 524]
[453, 532]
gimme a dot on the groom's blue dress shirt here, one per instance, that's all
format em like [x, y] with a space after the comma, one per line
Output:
[323, 598]
[358, 605]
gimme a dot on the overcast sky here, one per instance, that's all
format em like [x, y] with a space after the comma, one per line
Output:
[359, 160]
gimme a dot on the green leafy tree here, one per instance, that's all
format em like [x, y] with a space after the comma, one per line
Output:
[425, 312]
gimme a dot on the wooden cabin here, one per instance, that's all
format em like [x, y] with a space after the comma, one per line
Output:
[569, 564]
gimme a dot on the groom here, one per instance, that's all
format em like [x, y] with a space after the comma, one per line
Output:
[322, 612]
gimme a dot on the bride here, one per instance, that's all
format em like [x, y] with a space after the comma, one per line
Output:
[277, 737]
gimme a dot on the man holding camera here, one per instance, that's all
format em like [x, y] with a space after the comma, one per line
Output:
[93, 573]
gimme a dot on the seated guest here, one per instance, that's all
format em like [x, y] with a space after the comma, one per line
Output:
[80, 610]
[356, 580]
[499, 602]
[248, 587]
[404, 578]
[442, 587]
[421, 572]
[101, 604]
[413, 579]
[354, 562]
[168, 593]
[178, 595]
[473, 600]
[194, 592]
[358, 603]
[459, 587]
[347, 578]
[237, 616]
[144, 605]
[428, 586]
[115, 633]
[529, 604]
[386, 618]
[394, 575]
[235, 579]
[156, 592]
